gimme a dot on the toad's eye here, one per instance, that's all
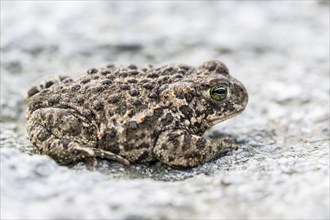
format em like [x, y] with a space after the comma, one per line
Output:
[218, 92]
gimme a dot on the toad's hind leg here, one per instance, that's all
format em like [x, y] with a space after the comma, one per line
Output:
[65, 137]
[178, 148]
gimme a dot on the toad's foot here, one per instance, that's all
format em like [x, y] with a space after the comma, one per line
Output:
[178, 148]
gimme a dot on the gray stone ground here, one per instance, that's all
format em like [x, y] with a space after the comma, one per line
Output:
[278, 49]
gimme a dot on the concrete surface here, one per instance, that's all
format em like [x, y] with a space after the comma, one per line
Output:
[278, 49]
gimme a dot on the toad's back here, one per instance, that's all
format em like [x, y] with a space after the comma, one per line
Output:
[119, 88]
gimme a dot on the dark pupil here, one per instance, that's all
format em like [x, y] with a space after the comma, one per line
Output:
[220, 91]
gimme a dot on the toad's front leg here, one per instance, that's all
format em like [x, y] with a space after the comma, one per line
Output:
[178, 148]
[65, 136]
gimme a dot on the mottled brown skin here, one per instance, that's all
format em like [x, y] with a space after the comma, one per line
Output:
[133, 115]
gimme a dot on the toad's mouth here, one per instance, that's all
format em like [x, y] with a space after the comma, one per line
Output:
[216, 119]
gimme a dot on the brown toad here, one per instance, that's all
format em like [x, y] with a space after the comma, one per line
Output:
[130, 115]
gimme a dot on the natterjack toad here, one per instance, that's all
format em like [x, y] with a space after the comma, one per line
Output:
[135, 115]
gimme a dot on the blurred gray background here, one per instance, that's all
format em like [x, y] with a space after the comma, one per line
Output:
[278, 49]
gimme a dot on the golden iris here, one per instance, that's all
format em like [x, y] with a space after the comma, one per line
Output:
[218, 92]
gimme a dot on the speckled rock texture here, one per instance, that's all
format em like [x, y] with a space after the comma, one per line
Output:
[279, 50]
